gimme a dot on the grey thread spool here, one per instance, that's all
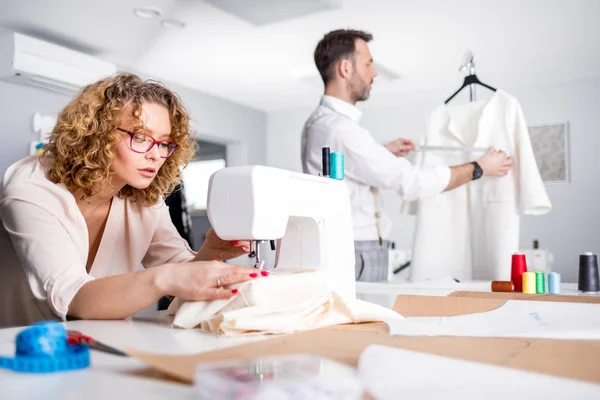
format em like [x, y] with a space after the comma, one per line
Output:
[588, 273]
[325, 153]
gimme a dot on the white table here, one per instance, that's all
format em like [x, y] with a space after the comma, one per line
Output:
[118, 377]
[385, 293]
[113, 377]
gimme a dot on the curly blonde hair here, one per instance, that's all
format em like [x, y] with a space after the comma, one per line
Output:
[83, 142]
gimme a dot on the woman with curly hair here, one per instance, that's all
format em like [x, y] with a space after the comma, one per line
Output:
[78, 221]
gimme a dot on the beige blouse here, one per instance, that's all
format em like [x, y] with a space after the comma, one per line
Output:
[44, 244]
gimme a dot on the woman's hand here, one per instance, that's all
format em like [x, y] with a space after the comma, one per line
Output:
[215, 248]
[203, 280]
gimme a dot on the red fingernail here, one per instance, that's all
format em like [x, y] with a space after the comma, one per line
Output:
[264, 273]
[235, 242]
[253, 275]
[234, 291]
[246, 248]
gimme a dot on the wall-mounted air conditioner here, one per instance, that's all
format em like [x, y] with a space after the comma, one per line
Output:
[31, 61]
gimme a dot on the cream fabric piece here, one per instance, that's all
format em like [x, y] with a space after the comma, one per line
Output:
[44, 244]
[471, 232]
[287, 301]
[367, 163]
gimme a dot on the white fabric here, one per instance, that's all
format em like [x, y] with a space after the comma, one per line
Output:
[286, 301]
[334, 124]
[44, 244]
[472, 231]
[426, 376]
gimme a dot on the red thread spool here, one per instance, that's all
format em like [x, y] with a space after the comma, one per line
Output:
[518, 267]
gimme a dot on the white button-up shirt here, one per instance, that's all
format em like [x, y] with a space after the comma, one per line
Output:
[334, 124]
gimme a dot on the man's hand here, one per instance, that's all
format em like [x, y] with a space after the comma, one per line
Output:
[495, 163]
[400, 147]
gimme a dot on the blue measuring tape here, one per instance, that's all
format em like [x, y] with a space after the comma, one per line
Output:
[43, 348]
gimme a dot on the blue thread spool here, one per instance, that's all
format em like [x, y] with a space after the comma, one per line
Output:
[554, 283]
[337, 165]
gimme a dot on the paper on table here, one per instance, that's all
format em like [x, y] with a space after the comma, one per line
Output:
[513, 319]
[391, 373]
[569, 294]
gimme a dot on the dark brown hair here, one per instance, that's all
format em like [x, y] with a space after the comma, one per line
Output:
[335, 46]
[83, 142]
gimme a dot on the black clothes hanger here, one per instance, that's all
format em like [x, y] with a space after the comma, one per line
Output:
[469, 80]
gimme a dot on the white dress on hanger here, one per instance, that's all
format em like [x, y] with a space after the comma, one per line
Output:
[472, 231]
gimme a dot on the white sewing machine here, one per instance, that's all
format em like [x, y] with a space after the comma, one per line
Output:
[308, 215]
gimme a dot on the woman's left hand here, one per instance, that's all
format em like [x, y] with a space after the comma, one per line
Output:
[215, 248]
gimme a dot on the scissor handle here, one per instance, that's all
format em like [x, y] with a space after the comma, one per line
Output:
[75, 337]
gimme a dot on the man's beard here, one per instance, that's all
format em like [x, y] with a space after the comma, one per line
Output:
[363, 94]
[361, 91]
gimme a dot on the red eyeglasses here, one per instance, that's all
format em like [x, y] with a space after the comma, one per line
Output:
[142, 143]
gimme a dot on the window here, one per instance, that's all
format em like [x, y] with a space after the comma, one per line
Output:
[209, 158]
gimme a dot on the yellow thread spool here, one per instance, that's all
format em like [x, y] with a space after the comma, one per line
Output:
[529, 282]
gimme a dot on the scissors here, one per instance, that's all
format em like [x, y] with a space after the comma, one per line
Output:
[75, 337]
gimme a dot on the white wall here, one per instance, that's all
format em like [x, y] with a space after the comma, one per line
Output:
[243, 129]
[284, 129]
[17, 106]
[216, 119]
[574, 224]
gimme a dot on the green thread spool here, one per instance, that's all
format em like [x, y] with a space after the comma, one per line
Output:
[540, 282]
[337, 165]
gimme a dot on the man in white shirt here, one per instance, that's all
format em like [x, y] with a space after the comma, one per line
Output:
[346, 67]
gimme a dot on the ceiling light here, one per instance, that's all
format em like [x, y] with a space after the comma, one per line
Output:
[172, 24]
[148, 12]
[385, 74]
[262, 12]
[308, 74]
[313, 80]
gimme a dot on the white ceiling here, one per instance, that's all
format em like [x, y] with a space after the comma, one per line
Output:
[516, 43]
